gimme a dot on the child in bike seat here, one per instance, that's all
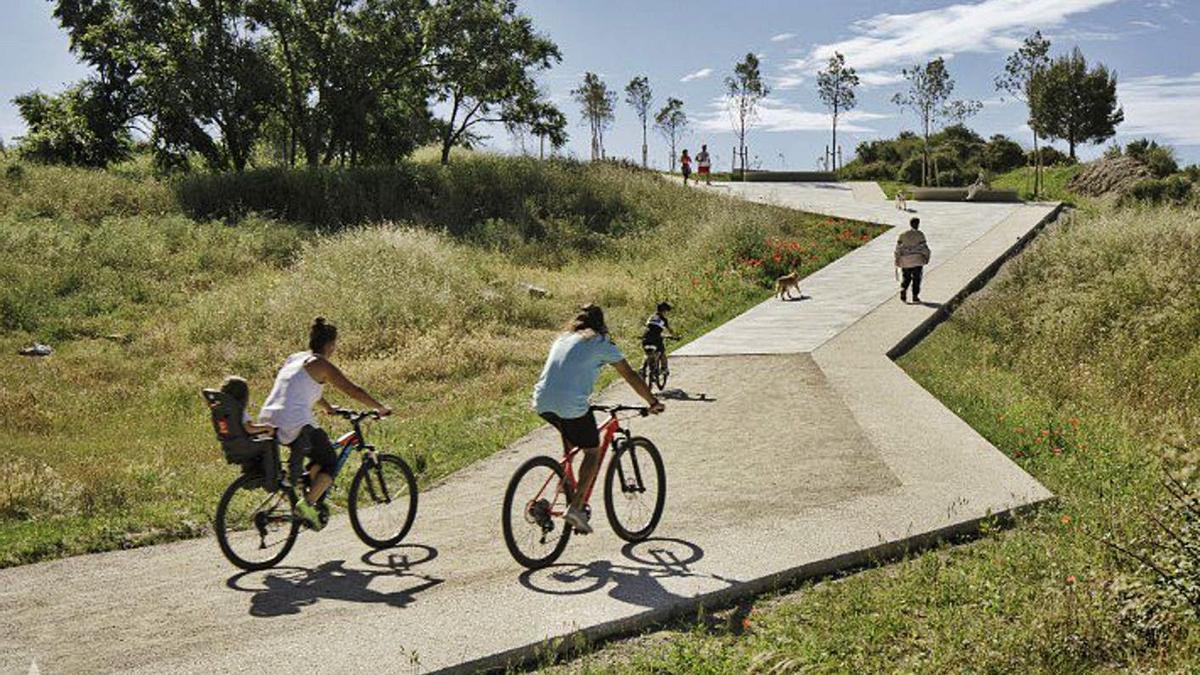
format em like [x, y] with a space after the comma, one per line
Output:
[656, 326]
[238, 390]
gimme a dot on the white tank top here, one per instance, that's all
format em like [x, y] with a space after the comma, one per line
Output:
[289, 406]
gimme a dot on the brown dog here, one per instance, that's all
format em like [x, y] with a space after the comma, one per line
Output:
[786, 284]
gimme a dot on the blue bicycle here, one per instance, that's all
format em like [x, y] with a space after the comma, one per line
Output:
[256, 532]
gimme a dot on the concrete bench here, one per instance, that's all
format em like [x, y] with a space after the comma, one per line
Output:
[960, 195]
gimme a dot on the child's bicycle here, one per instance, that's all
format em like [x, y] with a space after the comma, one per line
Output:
[635, 491]
[654, 370]
[256, 524]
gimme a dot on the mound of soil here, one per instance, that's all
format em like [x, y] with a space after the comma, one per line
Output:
[1106, 177]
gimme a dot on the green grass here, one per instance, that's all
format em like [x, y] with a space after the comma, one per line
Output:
[891, 187]
[1079, 362]
[1054, 185]
[150, 290]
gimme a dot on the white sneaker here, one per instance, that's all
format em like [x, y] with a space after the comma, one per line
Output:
[578, 520]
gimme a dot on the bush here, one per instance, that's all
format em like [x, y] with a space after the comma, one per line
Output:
[1002, 154]
[910, 171]
[867, 171]
[1160, 159]
[1051, 156]
[1175, 190]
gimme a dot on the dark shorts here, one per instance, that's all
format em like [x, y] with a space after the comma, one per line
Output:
[687, 170]
[656, 343]
[314, 444]
[579, 432]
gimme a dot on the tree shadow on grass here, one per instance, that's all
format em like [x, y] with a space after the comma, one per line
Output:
[287, 590]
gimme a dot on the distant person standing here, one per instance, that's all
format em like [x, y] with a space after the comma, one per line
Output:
[704, 164]
[685, 165]
[912, 255]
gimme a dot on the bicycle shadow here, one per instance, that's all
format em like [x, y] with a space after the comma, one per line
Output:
[639, 584]
[677, 394]
[288, 590]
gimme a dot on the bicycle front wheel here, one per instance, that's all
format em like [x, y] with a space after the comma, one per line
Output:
[383, 501]
[532, 520]
[635, 489]
[255, 529]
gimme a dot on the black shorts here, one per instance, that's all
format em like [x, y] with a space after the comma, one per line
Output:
[314, 444]
[579, 432]
[656, 343]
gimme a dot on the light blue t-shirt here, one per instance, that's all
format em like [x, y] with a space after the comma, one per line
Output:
[570, 373]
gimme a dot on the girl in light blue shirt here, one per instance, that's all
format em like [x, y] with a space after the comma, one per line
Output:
[561, 395]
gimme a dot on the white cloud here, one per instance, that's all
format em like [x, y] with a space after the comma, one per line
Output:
[891, 40]
[698, 75]
[879, 78]
[782, 37]
[1162, 105]
[1145, 24]
[777, 115]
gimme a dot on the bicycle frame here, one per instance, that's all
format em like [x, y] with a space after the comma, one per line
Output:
[608, 431]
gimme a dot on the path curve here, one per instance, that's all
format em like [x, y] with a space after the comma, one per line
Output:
[811, 451]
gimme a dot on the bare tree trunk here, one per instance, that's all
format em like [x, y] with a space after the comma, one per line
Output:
[835, 118]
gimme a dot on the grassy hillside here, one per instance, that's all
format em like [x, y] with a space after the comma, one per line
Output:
[149, 290]
[1081, 363]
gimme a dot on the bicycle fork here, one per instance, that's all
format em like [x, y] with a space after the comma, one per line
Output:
[635, 486]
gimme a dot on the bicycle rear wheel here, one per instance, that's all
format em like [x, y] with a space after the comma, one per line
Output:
[255, 529]
[534, 503]
[650, 369]
[383, 501]
[635, 489]
[660, 374]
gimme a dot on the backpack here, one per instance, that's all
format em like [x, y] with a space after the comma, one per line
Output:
[258, 457]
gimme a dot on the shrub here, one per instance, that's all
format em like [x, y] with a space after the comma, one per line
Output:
[1160, 159]
[910, 171]
[1002, 154]
[1175, 190]
[1051, 156]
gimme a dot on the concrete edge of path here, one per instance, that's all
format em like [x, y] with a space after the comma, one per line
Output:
[995, 479]
[526, 657]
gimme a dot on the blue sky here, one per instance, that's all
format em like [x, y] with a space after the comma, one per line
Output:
[687, 49]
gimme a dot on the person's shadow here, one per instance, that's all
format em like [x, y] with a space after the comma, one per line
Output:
[283, 591]
[800, 298]
[635, 584]
[677, 394]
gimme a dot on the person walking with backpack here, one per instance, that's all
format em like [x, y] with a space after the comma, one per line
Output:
[912, 255]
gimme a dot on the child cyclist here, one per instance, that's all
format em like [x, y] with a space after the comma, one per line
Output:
[561, 395]
[656, 326]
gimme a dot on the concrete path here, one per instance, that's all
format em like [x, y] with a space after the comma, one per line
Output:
[809, 452]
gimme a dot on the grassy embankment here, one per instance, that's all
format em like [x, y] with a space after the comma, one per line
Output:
[149, 290]
[1055, 179]
[1081, 363]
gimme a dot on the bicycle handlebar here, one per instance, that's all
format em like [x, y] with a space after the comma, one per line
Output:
[354, 416]
[614, 409]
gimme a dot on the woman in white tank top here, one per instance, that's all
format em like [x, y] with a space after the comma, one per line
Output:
[298, 388]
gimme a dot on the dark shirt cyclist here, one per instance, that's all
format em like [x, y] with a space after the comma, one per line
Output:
[657, 326]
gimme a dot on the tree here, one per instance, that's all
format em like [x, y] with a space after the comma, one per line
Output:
[671, 122]
[1022, 73]
[599, 108]
[72, 127]
[744, 90]
[928, 95]
[548, 123]
[195, 69]
[1075, 104]
[486, 58]
[639, 97]
[356, 75]
[835, 85]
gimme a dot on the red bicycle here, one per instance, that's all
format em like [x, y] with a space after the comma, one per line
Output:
[635, 491]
